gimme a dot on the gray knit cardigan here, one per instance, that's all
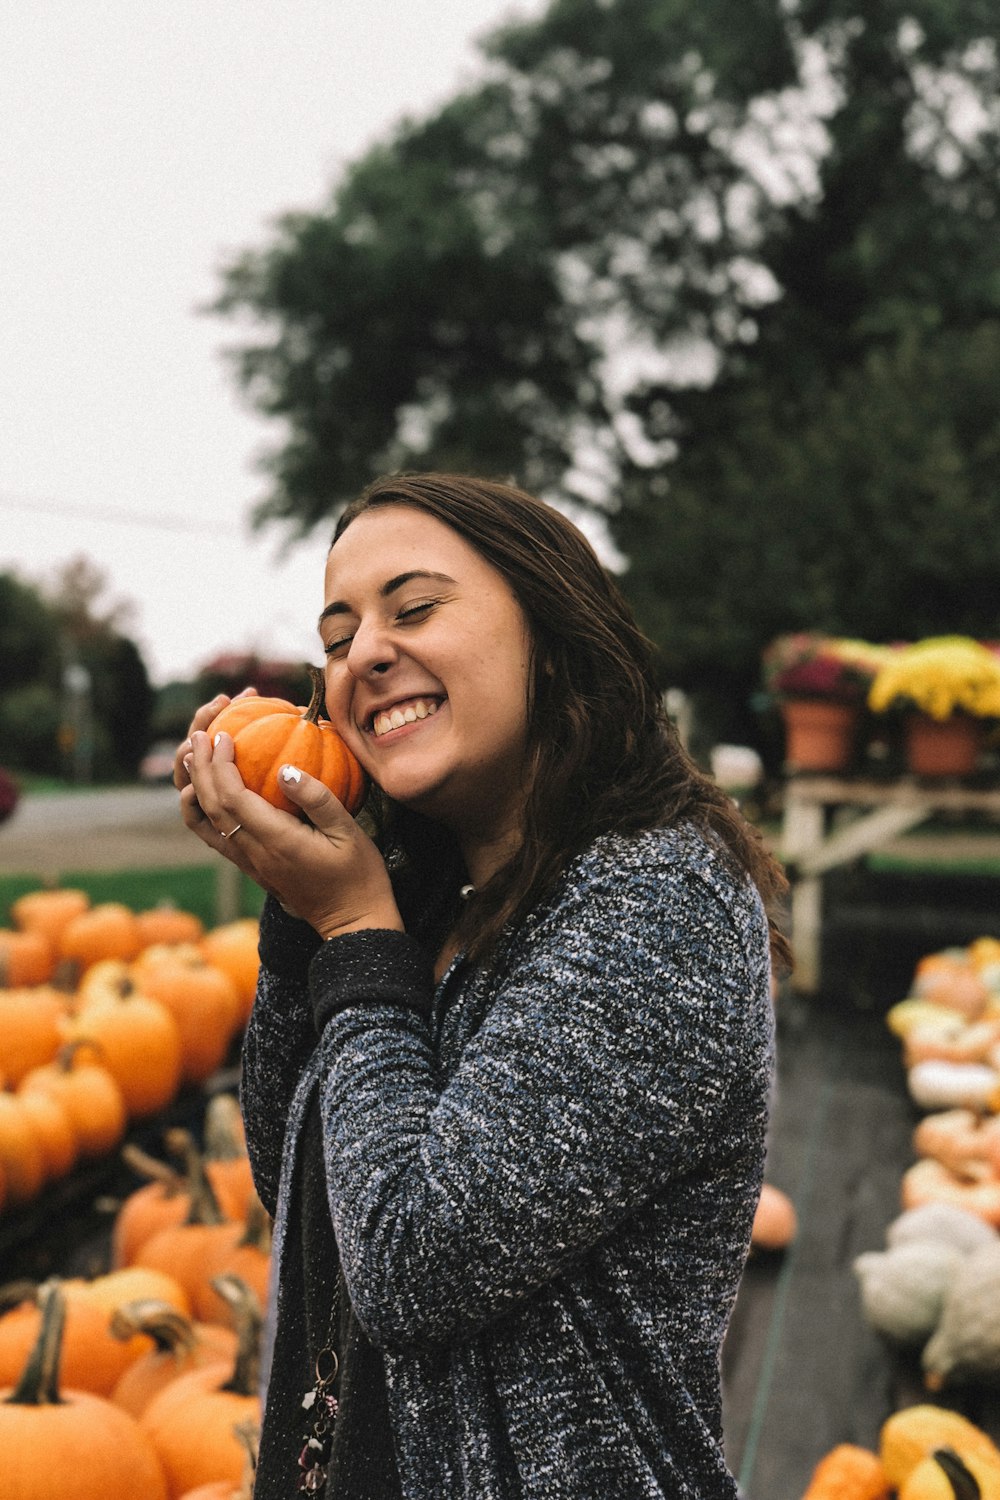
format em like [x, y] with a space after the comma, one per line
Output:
[541, 1177]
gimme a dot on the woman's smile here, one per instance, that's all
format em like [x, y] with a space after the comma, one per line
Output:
[410, 711]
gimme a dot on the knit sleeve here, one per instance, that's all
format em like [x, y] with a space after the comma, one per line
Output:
[279, 1040]
[624, 1042]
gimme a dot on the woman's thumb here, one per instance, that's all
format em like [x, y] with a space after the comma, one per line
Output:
[316, 800]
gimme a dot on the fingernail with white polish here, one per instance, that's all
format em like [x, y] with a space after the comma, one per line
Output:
[218, 737]
[290, 773]
[187, 764]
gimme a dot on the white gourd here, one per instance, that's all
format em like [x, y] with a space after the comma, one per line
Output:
[936, 1084]
[966, 1343]
[943, 1223]
[903, 1290]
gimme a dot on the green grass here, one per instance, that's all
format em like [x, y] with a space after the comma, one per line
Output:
[192, 888]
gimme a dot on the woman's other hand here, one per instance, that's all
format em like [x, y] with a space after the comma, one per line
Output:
[325, 870]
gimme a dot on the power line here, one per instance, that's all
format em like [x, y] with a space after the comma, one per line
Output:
[117, 517]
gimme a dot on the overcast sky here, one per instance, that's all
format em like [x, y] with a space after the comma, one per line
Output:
[140, 144]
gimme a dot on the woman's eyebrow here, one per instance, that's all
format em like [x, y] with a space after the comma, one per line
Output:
[341, 607]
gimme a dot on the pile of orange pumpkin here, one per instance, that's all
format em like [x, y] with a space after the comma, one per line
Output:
[144, 1380]
[105, 1015]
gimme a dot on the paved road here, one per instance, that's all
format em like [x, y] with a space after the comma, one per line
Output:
[98, 830]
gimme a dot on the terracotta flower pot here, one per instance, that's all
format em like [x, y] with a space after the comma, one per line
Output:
[942, 747]
[820, 734]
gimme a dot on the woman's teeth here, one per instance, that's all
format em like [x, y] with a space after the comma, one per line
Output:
[420, 708]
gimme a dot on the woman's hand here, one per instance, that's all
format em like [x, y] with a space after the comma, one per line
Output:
[325, 870]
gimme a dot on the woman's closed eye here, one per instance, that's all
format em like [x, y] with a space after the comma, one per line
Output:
[410, 614]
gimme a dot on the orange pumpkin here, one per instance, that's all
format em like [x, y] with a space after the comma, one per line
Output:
[54, 1131]
[233, 949]
[180, 1345]
[169, 924]
[21, 1154]
[138, 1041]
[109, 930]
[48, 912]
[69, 1442]
[25, 958]
[201, 1000]
[89, 1095]
[191, 1422]
[268, 733]
[30, 1021]
[775, 1224]
[849, 1472]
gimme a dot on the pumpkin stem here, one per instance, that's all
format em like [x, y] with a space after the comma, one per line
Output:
[152, 1169]
[963, 1482]
[249, 1321]
[257, 1227]
[316, 702]
[223, 1130]
[169, 1329]
[13, 1293]
[248, 1436]
[65, 1058]
[204, 1207]
[39, 1382]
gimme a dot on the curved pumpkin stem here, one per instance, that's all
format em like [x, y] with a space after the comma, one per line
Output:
[65, 1058]
[39, 1382]
[249, 1320]
[316, 702]
[169, 1329]
[248, 1437]
[257, 1227]
[13, 1293]
[152, 1169]
[223, 1132]
[204, 1207]
[963, 1482]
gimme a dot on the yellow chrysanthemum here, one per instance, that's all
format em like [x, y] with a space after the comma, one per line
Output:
[941, 675]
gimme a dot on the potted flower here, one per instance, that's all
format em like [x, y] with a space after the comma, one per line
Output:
[820, 683]
[947, 688]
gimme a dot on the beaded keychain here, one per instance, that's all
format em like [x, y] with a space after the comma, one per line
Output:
[314, 1460]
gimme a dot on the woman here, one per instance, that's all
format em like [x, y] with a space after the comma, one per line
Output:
[509, 1059]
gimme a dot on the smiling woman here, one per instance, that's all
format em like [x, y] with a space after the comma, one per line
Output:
[506, 1079]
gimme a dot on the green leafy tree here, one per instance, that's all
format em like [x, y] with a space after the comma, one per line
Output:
[729, 278]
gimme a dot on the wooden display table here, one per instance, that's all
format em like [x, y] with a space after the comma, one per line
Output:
[830, 821]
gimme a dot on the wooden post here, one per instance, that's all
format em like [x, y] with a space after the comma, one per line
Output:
[228, 889]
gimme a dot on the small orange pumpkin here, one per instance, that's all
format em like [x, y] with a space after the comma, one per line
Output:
[30, 1020]
[268, 733]
[848, 1472]
[109, 930]
[774, 1224]
[138, 1041]
[48, 912]
[169, 924]
[21, 1153]
[180, 1345]
[87, 1092]
[233, 949]
[25, 958]
[201, 999]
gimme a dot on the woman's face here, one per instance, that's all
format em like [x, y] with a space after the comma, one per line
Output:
[427, 669]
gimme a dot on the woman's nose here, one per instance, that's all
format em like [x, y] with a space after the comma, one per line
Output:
[371, 651]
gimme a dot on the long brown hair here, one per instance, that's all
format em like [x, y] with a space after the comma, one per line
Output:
[602, 753]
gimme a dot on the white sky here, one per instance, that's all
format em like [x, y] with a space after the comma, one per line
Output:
[140, 144]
